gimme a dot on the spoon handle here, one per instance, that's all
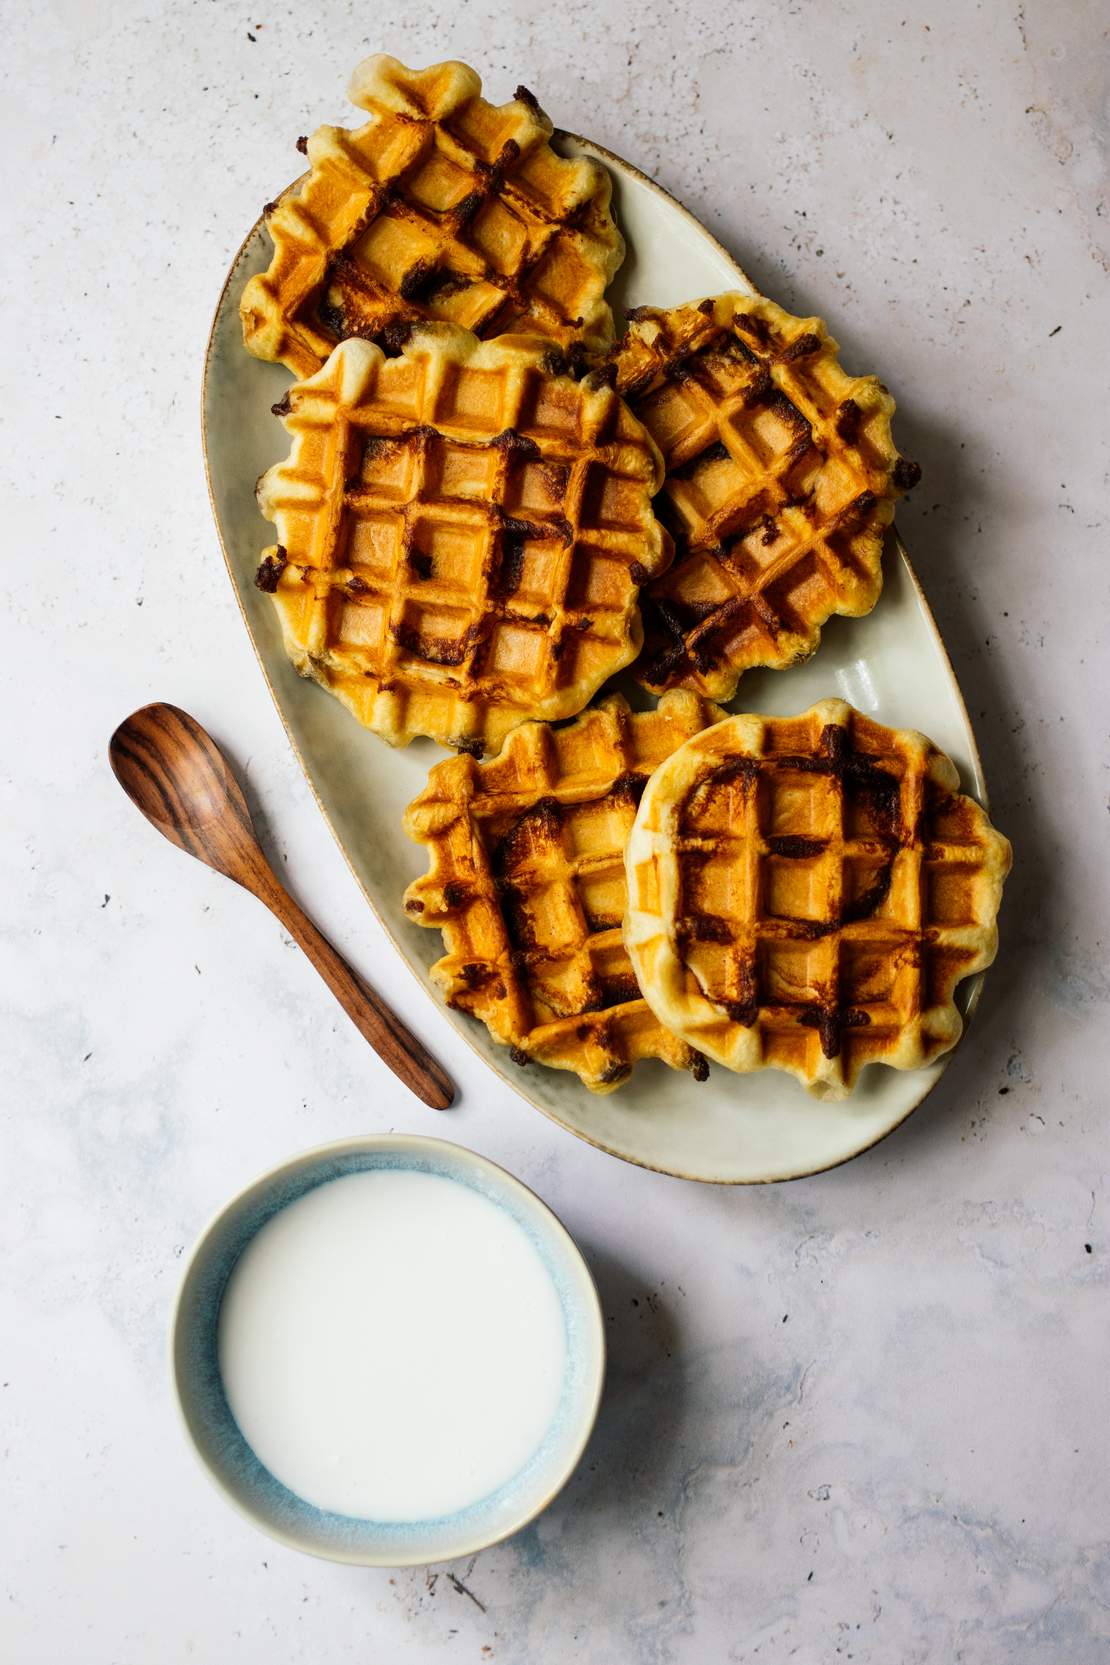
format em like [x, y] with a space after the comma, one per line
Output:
[391, 1040]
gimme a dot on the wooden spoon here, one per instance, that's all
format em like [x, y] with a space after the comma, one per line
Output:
[181, 781]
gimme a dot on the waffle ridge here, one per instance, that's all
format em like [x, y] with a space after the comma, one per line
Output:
[526, 882]
[806, 893]
[781, 480]
[440, 206]
[461, 535]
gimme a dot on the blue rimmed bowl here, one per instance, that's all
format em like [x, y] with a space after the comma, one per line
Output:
[231, 1463]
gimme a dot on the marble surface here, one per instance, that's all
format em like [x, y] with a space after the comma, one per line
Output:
[857, 1417]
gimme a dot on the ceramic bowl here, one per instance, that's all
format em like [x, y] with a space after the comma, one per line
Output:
[231, 1463]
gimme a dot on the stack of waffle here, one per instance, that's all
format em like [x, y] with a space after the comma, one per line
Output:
[490, 507]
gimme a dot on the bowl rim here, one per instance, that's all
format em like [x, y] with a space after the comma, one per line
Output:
[396, 1142]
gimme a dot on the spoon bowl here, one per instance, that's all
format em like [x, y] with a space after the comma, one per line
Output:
[201, 782]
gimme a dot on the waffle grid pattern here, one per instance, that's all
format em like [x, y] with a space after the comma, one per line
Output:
[526, 881]
[806, 893]
[462, 536]
[441, 206]
[781, 479]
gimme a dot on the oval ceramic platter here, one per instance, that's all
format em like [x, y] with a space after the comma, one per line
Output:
[892, 665]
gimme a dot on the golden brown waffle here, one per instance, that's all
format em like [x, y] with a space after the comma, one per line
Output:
[461, 535]
[441, 206]
[806, 892]
[781, 479]
[526, 882]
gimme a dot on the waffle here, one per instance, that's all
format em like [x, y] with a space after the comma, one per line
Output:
[526, 882]
[461, 535]
[781, 479]
[806, 892]
[441, 206]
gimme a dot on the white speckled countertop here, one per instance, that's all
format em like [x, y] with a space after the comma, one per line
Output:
[862, 1416]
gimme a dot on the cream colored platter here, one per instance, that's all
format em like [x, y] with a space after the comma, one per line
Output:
[891, 665]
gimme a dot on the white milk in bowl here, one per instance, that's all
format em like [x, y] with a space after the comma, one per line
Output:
[392, 1346]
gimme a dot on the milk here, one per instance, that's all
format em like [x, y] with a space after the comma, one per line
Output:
[392, 1346]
